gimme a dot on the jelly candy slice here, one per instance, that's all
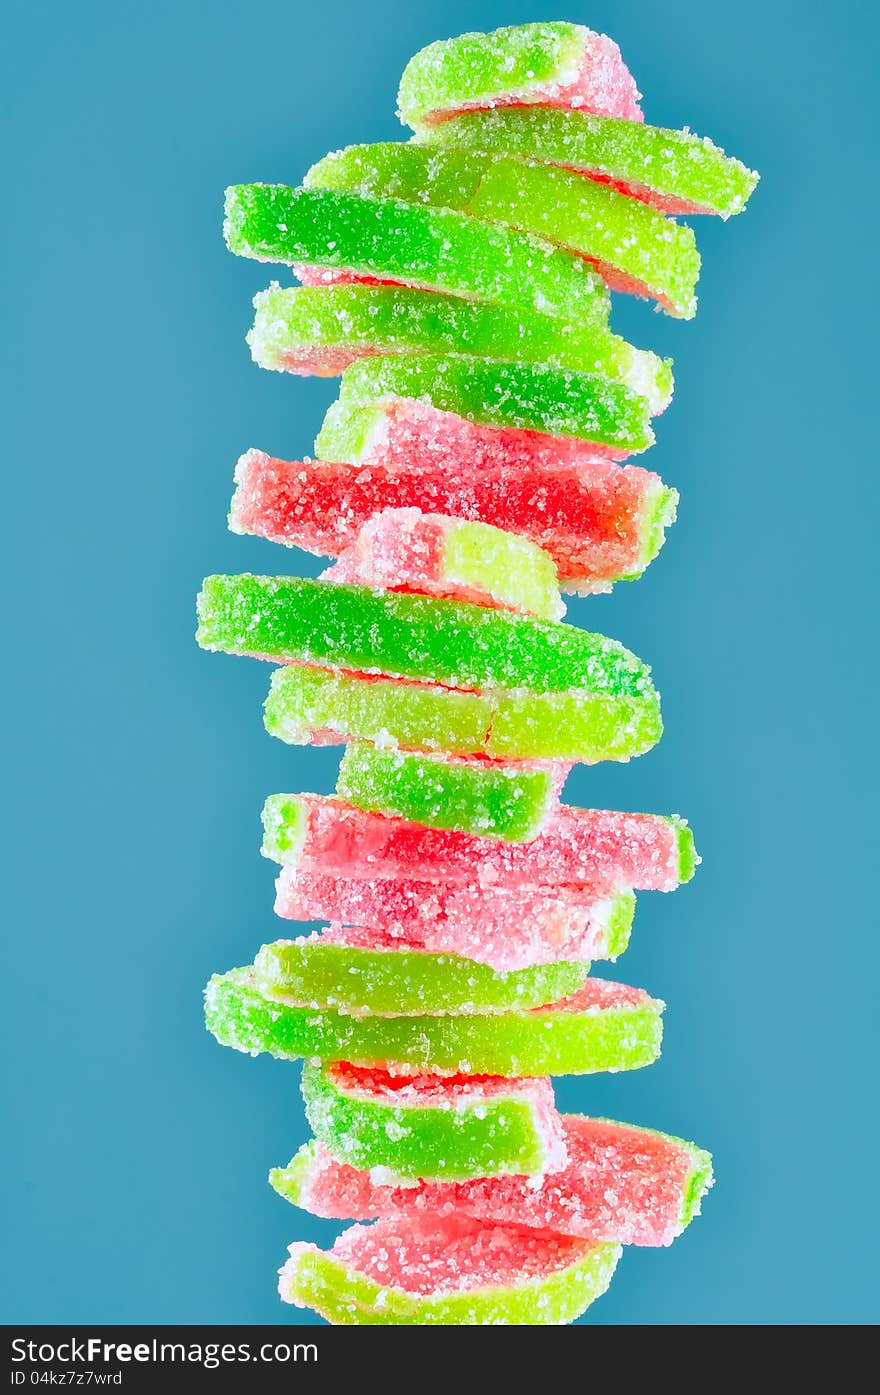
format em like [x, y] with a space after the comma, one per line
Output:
[633, 246]
[322, 329]
[432, 248]
[591, 847]
[316, 972]
[604, 1026]
[674, 171]
[551, 64]
[432, 1127]
[426, 638]
[508, 929]
[309, 706]
[618, 1183]
[447, 1273]
[599, 522]
[485, 798]
[535, 397]
[436, 555]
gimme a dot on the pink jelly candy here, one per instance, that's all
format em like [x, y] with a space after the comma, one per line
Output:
[500, 927]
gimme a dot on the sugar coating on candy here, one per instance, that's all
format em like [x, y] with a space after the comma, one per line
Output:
[437, 555]
[322, 329]
[535, 397]
[647, 852]
[314, 706]
[547, 64]
[433, 248]
[489, 799]
[497, 926]
[619, 1183]
[599, 522]
[403, 1272]
[633, 246]
[673, 171]
[426, 638]
[335, 972]
[601, 1027]
[404, 1128]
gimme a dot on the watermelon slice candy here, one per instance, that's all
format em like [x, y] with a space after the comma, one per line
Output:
[546, 64]
[502, 928]
[490, 799]
[618, 1183]
[404, 1128]
[576, 847]
[339, 974]
[437, 555]
[675, 172]
[323, 328]
[598, 522]
[404, 1271]
[603, 1026]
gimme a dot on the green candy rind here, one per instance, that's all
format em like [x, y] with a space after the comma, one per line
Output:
[399, 319]
[507, 395]
[433, 247]
[357, 982]
[556, 204]
[426, 638]
[673, 164]
[476, 798]
[699, 1179]
[474, 1138]
[688, 860]
[292, 1182]
[474, 67]
[348, 1298]
[503, 725]
[661, 508]
[348, 432]
[505, 566]
[620, 923]
[534, 1042]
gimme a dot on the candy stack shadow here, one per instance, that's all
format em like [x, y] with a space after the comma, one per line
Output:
[474, 467]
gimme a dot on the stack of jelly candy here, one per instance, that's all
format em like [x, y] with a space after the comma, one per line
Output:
[472, 468]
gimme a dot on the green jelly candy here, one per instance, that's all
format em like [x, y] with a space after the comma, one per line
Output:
[673, 170]
[634, 246]
[430, 1127]
[353, 980]
[450, 1271]
[513, 396]
[431, 247]
[321, 329]
[305, 703]
[408, 636]
[492, 801]
[604, 1026]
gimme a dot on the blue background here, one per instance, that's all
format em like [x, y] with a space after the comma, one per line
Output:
[134, 1171]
